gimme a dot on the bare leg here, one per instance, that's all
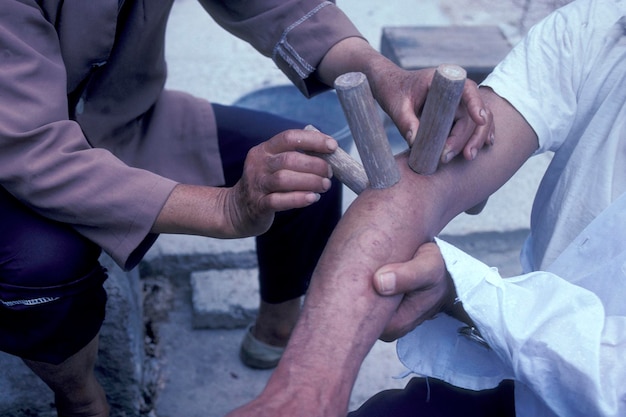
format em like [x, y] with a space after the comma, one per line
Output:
[76, 390]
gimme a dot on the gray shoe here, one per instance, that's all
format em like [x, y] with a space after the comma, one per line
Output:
[258, 355]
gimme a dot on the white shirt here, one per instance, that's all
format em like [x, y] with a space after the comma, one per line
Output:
[561, 332]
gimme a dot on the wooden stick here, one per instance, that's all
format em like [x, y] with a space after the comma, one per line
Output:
[345, 168]
[367, 129]
[442, 101]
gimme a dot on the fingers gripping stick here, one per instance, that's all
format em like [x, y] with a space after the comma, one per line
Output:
[379, 165]
[345, 168]
[442, 101]
[367, 129]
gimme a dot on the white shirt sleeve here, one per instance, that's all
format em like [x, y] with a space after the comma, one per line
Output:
[565, 342]
[560, 333]
[545, 68]
[544, 76]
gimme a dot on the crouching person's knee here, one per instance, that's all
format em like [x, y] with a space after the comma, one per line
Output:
[52, 301]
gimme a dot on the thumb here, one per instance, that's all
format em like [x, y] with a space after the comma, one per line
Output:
[414, 275]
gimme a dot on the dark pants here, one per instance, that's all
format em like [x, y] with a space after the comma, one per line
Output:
[289, 251]
[51, 298]
[433, 398]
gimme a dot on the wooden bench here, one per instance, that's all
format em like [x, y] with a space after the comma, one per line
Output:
[478, 49]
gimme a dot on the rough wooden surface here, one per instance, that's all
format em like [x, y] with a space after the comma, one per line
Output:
[478, 49]
[367, 129]
[441, 103]
[345, 168]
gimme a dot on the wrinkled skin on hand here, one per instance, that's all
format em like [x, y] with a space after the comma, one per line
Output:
[430, 290]
[426, 289]
[402, 95]
[278, 176]
[425, 285]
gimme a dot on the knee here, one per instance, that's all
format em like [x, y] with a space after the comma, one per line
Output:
[52, 255]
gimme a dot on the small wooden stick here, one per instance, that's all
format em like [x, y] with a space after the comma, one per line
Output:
[345, 168]
[442, 101]
[367, 129]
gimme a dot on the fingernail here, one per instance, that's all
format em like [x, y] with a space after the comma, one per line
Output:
[473, 152]
[331, 144]
[492, 138]
[326, 183]
[409, 136]
[387, 282]
[448, 157]
[483, 114]
[312, 197]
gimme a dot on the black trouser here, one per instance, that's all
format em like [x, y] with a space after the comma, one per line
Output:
[433, 398]
[288, 252]
[51, 297]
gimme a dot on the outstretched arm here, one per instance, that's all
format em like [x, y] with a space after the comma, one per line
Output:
[343, 316]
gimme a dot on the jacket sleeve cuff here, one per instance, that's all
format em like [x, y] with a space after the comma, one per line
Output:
[304, 44]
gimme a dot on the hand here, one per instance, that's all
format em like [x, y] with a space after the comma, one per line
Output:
[278, 176]
[402, 95]
[426, 285]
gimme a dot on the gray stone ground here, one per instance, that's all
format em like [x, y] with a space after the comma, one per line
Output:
[181, 366]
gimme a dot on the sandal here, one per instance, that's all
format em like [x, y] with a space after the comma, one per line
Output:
[258, 355]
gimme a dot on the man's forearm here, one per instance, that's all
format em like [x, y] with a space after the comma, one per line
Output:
[343, 316]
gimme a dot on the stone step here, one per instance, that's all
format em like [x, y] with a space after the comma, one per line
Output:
[224, 299]
[180, 255]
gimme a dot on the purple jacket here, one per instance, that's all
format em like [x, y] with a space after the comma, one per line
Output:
[88, 135]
